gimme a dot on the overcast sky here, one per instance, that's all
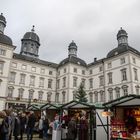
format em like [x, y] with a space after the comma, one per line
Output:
[92, 24]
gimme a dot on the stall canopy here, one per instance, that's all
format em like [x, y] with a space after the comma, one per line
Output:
[76, 104]
[125, 101]
[34, 107]
[50, 106]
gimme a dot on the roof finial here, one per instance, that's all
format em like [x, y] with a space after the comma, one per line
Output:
[121, 28]
[33, 29]
[1, 14]
[72, 41]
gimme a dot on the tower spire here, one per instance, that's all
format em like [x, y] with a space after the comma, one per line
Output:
[33, 28]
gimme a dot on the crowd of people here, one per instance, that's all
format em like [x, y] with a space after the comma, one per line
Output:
[15, 125]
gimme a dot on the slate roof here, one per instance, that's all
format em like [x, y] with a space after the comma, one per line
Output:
[34, 60]
[74, 60]
[122, 49]
[5, 40]
[31, 36]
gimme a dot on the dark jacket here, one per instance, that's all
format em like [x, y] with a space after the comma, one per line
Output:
[72, 130]
[16, 131]
[31, 121]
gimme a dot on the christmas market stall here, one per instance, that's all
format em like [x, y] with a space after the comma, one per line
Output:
[86, 116]
[125, 121]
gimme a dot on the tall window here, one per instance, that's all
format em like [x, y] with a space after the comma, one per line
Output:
[117, 90]
[83, 72]
[20, 93]
[64, 70]
[109, 65]
[91, 83]
[125, 90]
[91, 97]
[135, 74]
[109, 78]
[101, 68]
[32, 80]
[90, 71]
[50, 72]
[83, 82]
[137, 89]
[75, 81]
[24, 67]
[41, 82]
[49, 83]
[75, 70]
[49, 96]
[40, 95]
[96, 96]
[12, 77]
[31, 92]
[42, 71]
[0, 82]
[33, 69]
[74, 95]
[122, 60]
[1, 66]
[63, 97]
[64, 81]
[134, 60]
[2, 52]
[22, 78]
[101, 78]
[110, 91]
[58, 83]
[10, 91]
[57, 97]
[124, 75]
[102, 96]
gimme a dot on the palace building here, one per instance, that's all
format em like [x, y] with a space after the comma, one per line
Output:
[25, 79]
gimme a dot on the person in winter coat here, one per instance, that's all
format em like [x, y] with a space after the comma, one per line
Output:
[83, 129]
[40, 127]
[22, 118]
[45, 128]
[16, 131]
[72, 130]
[30, 125]
[4, 128]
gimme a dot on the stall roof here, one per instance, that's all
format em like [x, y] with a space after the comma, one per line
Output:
[34, 107]
[76, 104]
[50, 106]
[125, 101]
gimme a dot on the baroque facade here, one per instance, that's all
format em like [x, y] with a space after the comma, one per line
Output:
[26, 79]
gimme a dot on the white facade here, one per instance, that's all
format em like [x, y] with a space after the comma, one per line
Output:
[25, 79]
